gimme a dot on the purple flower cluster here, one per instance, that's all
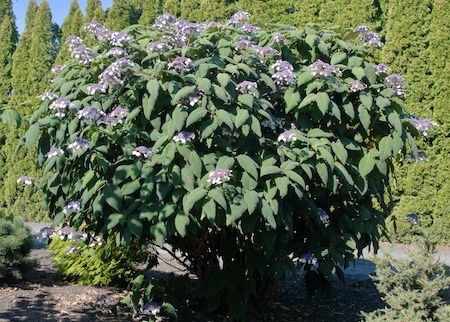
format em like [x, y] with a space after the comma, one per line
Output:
[142, 151]
[424, 125]
[284, 75]
[25, 180]
[246, 87]
[219, 176]
[164, 22]
[321, 69]
[116, 38]
[112, 75]
[369, 38]
[46, 232]
[72, 206]
[90, 114]
[159, 47]
[48, 96]
[117, 116]
[279, 38]
[380, 69]
[265, 51]
[309, 259]
[61, 105]
[243, 43]
[79, 144]
[180, 31]
[249, 29]
[395, 82]
[357, 86]
[184, 137]
[287, 136]
[116, 52]
[57, 68]
[323, 216]
[79, 51]
[54, 152]
[238, 18]
[181, 64]
[96, 89]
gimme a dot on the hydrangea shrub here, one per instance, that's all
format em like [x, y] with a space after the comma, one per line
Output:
[244, 149]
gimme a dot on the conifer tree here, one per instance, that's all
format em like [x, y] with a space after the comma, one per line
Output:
[94, 11]
[349, 14]
[72, 25]
[41, 49]
[21, 57]
[150, 10]
[8, 41]
[263, 12]
[173, 7]
[123, 13]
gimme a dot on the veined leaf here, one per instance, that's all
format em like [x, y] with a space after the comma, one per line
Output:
[323, 101]
[196, 115]
[181, 223]
[340, 151]
[248, 164]
[217, 195]
[292, 99]
[366, 165]
[113, 196]
[251, 198]
[241, 117]
[192, 197]
[385, 148]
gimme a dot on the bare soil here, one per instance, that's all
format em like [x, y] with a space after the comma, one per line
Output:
[44, 296]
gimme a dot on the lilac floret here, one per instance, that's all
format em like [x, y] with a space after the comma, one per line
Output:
[90, 114]
[79, 144]
[358, 86]
[219, 176]
[25, 180]
[323, 216]
[243, 43]
[380, 69]
[238, 18]
[116, 52]
[395, 82]
[159, 47]
[287, 136]
[96, 89]
[152, 308]
[45, 233]
[282, 65]
[284, 78]
[424, 125]
[279, 38]
[54, 152]
[246, 86]
[309, 259]
[361, 29]
[321, 69]
[181, 64]
[184, 137]
[119, 38]
[142, 151]
[72, 206]
[248, 29]
[48, 96]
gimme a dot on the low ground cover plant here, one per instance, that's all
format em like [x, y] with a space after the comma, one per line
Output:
[250, 152]
[15, 244]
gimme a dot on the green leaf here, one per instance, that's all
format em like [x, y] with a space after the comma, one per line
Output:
[217, 195]
[394, 119]
[159, 231]
[241, 117]
[181, 223]
[205, 85]
[149, 104]
[267, 213]
[326, 155]
[249, 165]
[114, 219]
[130, 187]
[340, 151]
[292, 99]
[370, 74]
[209, 210]
[187, 178]
[224, 117]
[32, 135]
[248, 182]
[318, 133]
[192, 197]
[268, 170]
[385, 148]
[366, 99]
[295, 177]
[223, 79]
[113, 196]
[305, 78]
[322, 171]
[343, 173]
[323, 101]
[246, 99]
[10, 116]
[196, 115]
[66, 88]
[308, 100]
[196, 164]
[251, 198]
[337, 57]
[364, 117]
[134, 224]
[366, 165]
[169, 309]
[179, 117]
[208, 128]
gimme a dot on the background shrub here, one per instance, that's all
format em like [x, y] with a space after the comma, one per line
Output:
[15, 244]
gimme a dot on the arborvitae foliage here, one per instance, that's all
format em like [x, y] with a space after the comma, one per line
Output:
[172, 6]
[205, 10]
[72, 25]
[15, 244]
[21, 58]
[264, 12]
[94, 11]
[123, 13]
[412, 287]
[307, 11]
[349, 14]
[150, 10]
[42, 49]
[8, 41]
